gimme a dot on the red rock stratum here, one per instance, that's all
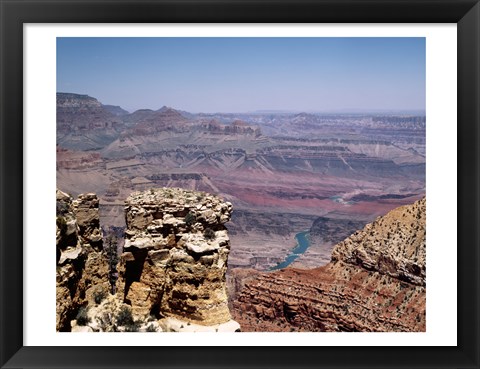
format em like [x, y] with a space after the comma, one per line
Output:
[374, 282]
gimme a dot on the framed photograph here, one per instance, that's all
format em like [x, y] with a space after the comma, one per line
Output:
[240, 184]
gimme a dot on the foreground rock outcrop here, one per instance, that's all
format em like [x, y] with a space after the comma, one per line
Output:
[175, 257]
[172, 270]
[81, 266]
[375, 282]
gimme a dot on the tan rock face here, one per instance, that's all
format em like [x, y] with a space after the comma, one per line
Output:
[175, 255]
[95, 274]
[85, 209]
[375, 282]
[79, 266]
[394, 244]
[70, 261]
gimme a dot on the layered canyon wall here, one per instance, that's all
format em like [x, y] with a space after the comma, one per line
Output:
[374, 282]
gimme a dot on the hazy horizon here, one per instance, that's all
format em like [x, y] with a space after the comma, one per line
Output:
[345, 111]
[247, 75]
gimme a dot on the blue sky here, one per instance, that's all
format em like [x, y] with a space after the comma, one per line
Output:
[246, 74]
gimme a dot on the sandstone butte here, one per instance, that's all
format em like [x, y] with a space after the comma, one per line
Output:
[171, 272]
[374, 282]
[175, 255]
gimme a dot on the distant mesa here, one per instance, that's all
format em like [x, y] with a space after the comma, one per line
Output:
[148, 122]
[164, 109]
[184, 113]
[66, 99]
[137, 116]
[304, 116]
[115, 110]
[83, 123]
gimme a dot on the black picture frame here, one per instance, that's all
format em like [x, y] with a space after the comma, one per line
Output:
[14, 13]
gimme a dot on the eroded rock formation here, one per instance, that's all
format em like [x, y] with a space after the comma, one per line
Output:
[392, 245]
[80, 262]
[175, 256]
[375, 282]
[86, 213]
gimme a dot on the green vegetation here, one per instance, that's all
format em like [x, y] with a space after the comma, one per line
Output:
[190, 219]
[106, 323]
[99, 295]
[82, 316]
[209, 234]
[151, 328]
[62, 208]
[134, 327]
[124, 316]
[61, 224]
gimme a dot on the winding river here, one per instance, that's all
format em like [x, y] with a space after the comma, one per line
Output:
[303, 242]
